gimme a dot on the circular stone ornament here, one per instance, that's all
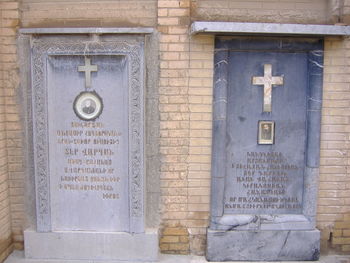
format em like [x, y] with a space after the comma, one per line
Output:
[88, 106]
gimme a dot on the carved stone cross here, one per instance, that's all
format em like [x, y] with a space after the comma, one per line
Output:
[87, 68]
[268, 81]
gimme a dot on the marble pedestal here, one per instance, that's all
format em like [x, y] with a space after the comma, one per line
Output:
[263, 245]
[81, 245]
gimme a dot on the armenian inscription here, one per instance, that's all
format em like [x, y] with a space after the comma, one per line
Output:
[262, 182]
[88, 152]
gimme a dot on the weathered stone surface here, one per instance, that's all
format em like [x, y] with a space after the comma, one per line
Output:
[88, 165]
[79, 245]
[265, 188]
[89, 173]
[268, 29]
[263, 245]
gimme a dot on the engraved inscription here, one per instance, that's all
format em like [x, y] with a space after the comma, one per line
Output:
[89, 159]
[263, 180]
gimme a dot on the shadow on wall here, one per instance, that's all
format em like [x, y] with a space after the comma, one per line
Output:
[6, 247]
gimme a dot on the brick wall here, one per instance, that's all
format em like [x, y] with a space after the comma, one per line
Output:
[8, 24]
[272, 11]
[334, 190]
[173, 19]
[85, 13]
[185, 105]
[199, 160]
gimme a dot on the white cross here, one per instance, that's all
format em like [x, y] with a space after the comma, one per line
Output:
[268, 81]
[87, 68]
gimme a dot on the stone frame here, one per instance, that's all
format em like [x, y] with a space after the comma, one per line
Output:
[133, 50]
[306, 221]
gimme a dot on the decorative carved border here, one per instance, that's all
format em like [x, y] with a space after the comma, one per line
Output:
[133, 49]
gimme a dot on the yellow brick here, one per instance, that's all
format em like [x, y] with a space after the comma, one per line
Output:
[200, 150]
[162, 12]
[184, 3]
[6, 14]
[337, 233]
[179, 12]
[331, 209]
[170, 56]
[200, 108]
[164, 247]
[168, 3]
[169, 39]
[345, 248]
[169, 239]
[341, 240]
[178, 64]
[184, 239]
[168, 21]
[198, 207]
[176, 231]
[175, 215]
[8, 5]
[180, 246]
[178, 30]
[342, 225]
[199, 191]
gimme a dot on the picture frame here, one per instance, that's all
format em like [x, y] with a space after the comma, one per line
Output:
[88, 105]
[266, 132]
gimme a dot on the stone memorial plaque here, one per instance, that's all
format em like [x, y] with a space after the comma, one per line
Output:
[265, 156]
[88, 167]
[87, 126]
[88, 135]
[266, 178]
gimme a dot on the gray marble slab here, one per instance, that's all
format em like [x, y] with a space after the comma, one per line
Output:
[263, 245]
[91, 246]
[88, 30]
[200, 27]
[88, 172]
[86, 195]
[88, 165]
[265, 191]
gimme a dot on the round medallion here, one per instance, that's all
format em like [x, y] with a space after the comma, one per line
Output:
[88, 105]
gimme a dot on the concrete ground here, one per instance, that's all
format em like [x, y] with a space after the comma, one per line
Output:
[18, 257]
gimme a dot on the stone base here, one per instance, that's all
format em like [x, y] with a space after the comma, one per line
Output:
[263, 245]
[80, 245]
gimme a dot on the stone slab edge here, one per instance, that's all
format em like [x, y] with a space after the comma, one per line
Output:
[263, 245]
[268, 29]
[79, 245]
[88, 30]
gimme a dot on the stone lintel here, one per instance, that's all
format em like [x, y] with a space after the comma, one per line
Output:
[235, 28]
[88, 30]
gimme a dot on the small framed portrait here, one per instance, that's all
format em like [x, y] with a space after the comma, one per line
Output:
[88, 105]
[266, 134]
